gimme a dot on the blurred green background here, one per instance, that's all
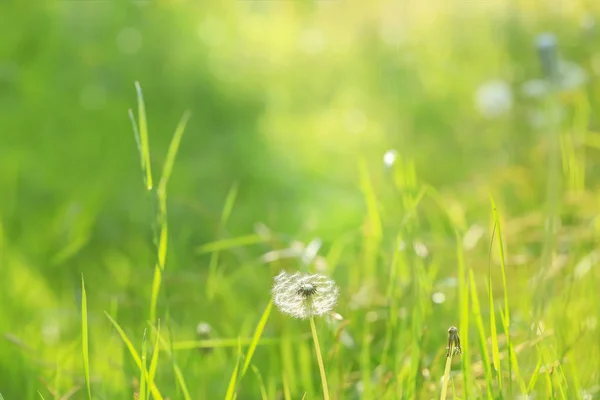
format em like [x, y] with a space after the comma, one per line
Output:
[288, 100]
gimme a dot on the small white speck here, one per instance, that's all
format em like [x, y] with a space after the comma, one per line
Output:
[389, 158]
[494, 98]
[438, 297]
[203, 329]
[420, 249]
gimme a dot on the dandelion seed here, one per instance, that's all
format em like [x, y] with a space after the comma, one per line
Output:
[302, 295]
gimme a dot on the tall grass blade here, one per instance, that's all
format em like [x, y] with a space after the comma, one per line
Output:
[506, 319]
[178, 374]
[143, 370]
[463, 298]
[162, 212]
[214, 258]
[375, 232]
[481, 329]
[84, 339]
[493, 332]
[142, 137]
[534, 376]
[133, 352]
[256, 337]
[233, 380]
[261, 383]
[155, 353]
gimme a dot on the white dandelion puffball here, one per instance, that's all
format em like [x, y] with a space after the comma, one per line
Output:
[303, 296]
[494, 98]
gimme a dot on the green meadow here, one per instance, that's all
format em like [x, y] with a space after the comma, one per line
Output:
[161, 162]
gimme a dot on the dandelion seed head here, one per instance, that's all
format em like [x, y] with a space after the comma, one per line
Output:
[307, 289]
[302, 295]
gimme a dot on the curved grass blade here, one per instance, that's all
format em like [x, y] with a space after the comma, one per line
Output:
[84, 338]
[214, 258]
[493, 332]
[143, 372]
[261, 383]
[162, 213]
[142, 136]
[134, 354]
[176, 369]
[154, 361]
[233, 380]
[481, 329]
[506, 318]
[463, 295]
[256, 337]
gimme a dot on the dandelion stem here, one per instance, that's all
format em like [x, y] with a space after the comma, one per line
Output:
[319, 359]
[447, 372]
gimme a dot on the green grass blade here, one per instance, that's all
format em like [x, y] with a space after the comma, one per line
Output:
[226, 244]
[143, 370]
[256, 337]
[233, 380]
[219, 343]
[41, 396]
[84, 339]
[142, 135]
[513, 359]
[154, 361]
[162, 213]
[261, 383]
[481, 329]
[373, 239]
[171, 155]
[229, 202]
[178, 374]
[502, 260]
[506, 319]
[493, 332]
[136, 358]
[211, 287]
[463, 299]
[536, 373]
[159, 268]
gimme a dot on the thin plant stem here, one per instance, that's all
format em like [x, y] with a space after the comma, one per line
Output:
[447, 372]
[319, 359]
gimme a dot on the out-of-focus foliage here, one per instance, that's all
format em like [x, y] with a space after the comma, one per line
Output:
[288, 100]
